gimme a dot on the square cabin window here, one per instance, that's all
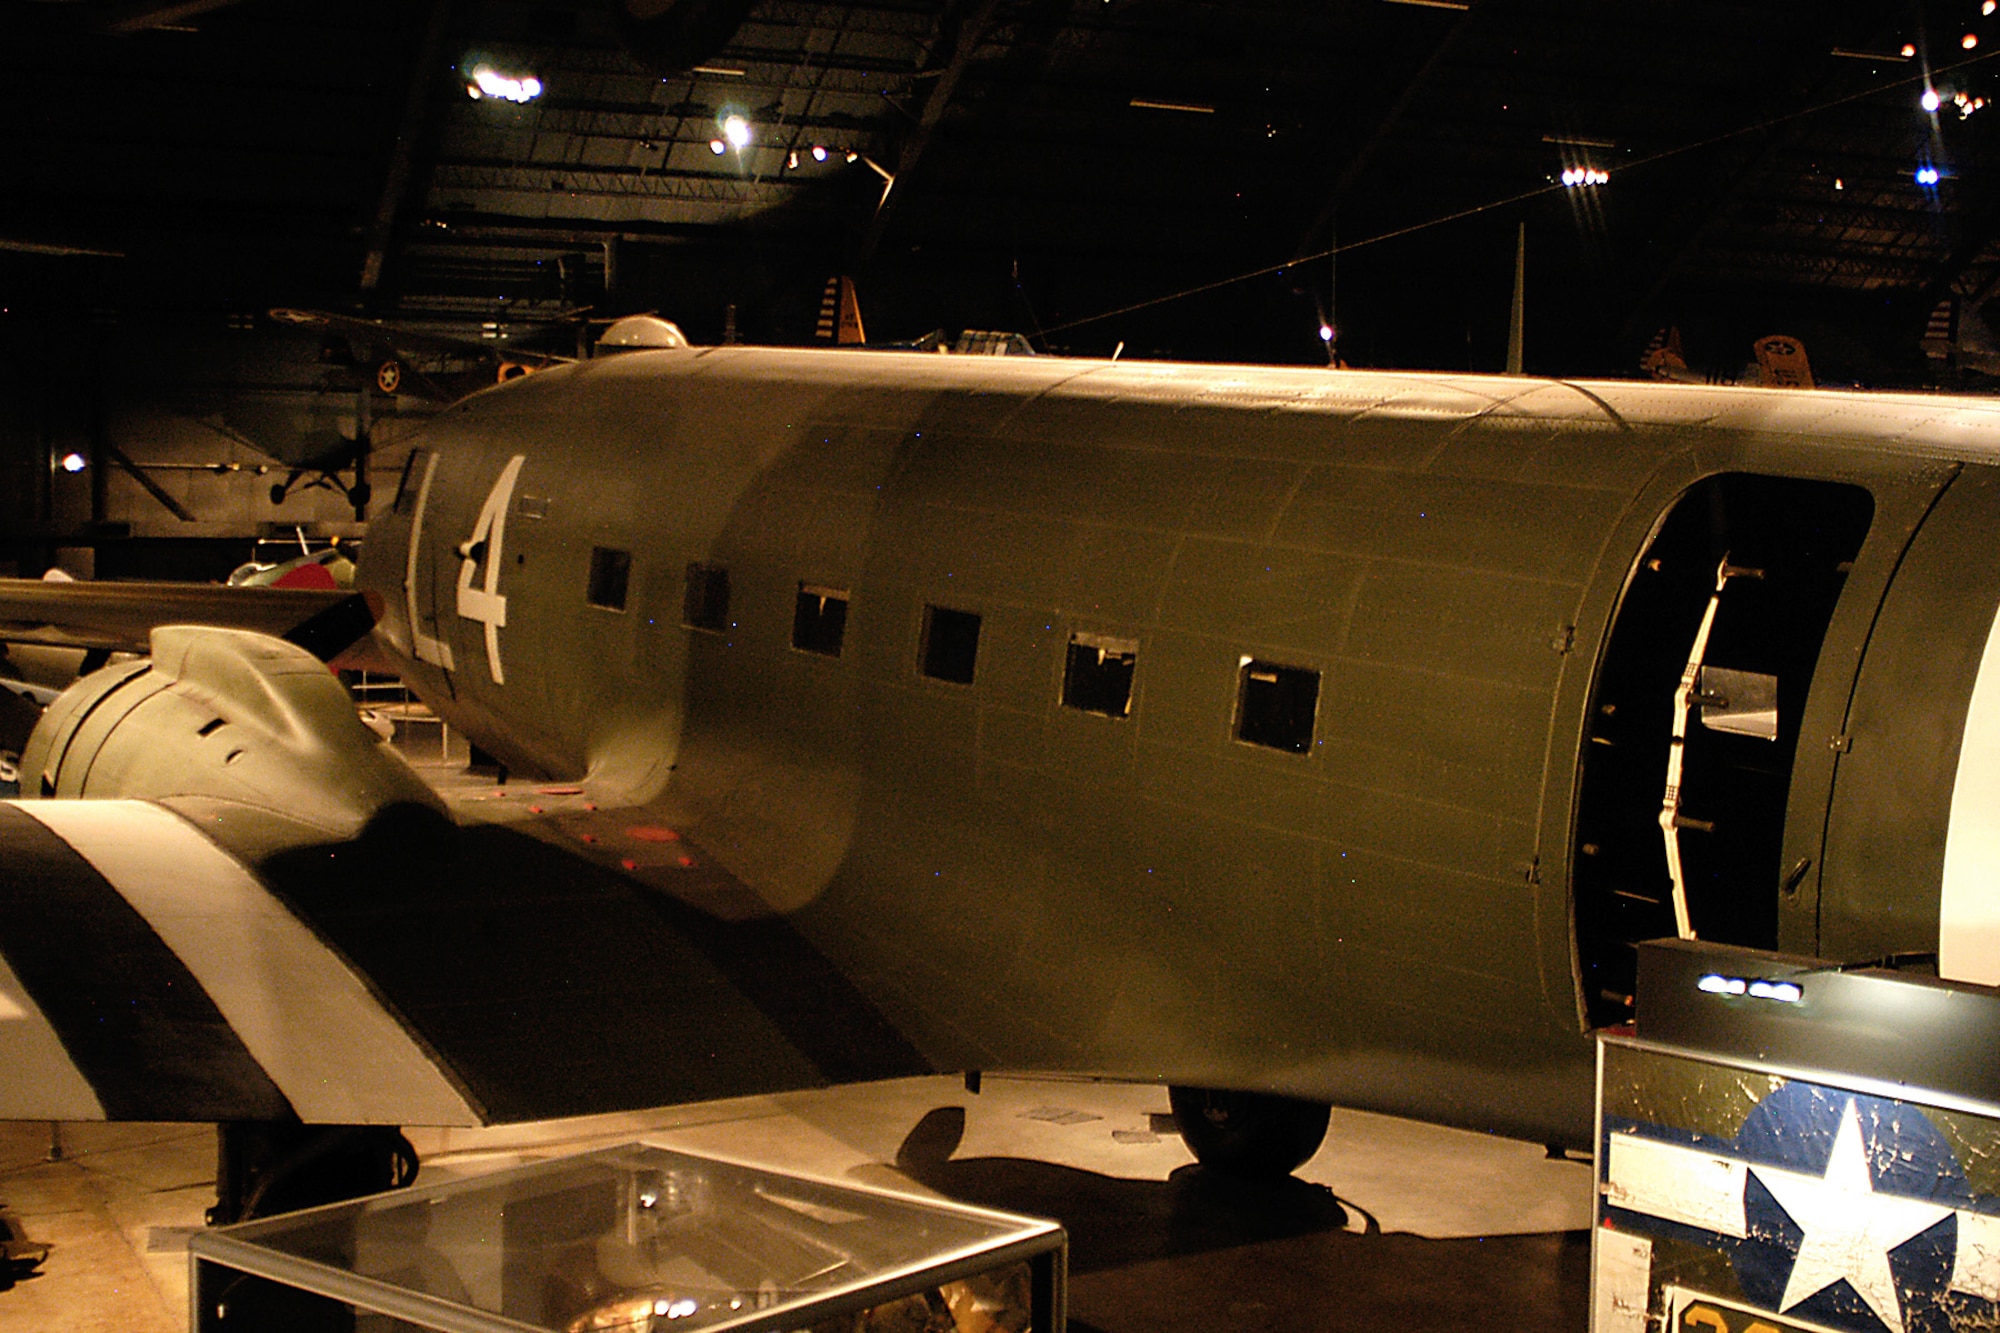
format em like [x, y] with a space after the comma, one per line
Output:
[610, 574]
[951, 644]
[819, 621]
[1097, 676]
[706, 603]
[1275, 705]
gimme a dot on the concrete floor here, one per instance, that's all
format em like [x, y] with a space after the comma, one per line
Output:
[1393, 1224]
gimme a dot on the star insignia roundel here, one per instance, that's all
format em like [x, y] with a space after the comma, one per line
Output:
[1835, 1208]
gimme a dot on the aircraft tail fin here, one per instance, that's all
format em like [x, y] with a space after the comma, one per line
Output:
[1941, 330]
[1663, 358]
[1782, 364]
[840, 313]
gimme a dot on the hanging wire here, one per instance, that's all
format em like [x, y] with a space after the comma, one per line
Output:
[1925, 77]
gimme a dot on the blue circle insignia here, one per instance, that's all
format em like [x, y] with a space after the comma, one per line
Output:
[1794, 1130]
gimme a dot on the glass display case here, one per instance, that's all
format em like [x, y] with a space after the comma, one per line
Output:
[635, 1239]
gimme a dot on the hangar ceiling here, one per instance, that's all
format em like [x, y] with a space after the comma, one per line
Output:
[1032, 165]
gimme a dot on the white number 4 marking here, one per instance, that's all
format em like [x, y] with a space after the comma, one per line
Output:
[485, 604]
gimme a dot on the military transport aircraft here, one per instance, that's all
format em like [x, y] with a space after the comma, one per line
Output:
[1284, 736]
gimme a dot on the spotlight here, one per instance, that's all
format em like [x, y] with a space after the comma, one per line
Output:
[853, 156]
[819, 152]
[717, 147]
[1909, 50]
[1326, 333]
[1989, 7]
[1930, 99]
[486, 81]
[1970, 40]
[792, 160]
[74, 462]
[737, 131]
[1927, 176]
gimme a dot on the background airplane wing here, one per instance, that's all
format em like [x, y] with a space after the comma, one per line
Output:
[408, 340]
[154, 966]
[120, 616]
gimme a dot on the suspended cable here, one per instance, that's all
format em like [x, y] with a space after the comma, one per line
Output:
[1525, 195]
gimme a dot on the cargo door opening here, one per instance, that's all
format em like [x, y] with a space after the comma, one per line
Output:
[1763, 561]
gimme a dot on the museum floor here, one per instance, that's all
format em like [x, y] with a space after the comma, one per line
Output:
[1393, 1224]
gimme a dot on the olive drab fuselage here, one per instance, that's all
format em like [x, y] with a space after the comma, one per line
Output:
[1365, 806]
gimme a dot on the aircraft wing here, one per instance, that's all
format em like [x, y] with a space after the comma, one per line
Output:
[120, 616]
[155, 964]
[412, 340]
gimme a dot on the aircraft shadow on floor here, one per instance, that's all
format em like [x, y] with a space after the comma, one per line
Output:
[1203, 1251]
[1115, 1222]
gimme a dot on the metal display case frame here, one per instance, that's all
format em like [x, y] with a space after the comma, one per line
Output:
[387, 1254]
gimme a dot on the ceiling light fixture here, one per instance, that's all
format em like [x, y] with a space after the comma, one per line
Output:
[485, 81]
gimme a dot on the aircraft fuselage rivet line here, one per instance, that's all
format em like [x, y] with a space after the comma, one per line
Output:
[337, 1055]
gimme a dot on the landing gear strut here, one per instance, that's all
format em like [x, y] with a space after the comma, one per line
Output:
[274, 1167]
[1256, 1135]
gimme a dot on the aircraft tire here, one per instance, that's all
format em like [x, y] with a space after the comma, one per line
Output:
[1254, 1135]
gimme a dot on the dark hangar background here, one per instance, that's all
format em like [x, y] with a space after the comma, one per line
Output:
[1197, 180]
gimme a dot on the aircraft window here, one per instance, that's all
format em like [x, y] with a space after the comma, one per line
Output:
[1275, 705]
[1097, 678]
[819, 622]
[951, 644]
[706, 605]
[610, 573]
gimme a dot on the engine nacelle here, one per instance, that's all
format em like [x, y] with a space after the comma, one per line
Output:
[225, 714]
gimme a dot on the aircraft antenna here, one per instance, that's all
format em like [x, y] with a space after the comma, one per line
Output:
[1516, 324]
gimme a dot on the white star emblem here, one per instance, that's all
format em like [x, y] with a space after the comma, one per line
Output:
[1849, 1228]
